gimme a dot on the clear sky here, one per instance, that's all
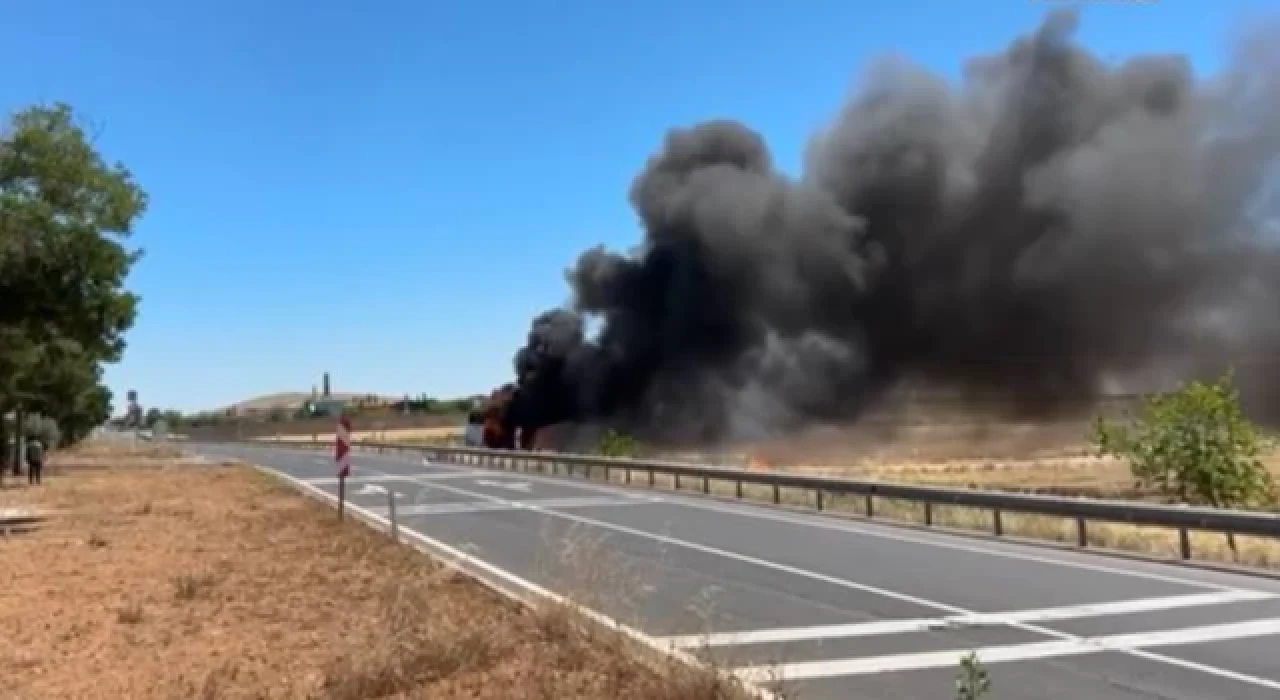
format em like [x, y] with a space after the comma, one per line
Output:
[389, 190]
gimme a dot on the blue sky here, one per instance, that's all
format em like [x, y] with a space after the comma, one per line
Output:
[389, 190]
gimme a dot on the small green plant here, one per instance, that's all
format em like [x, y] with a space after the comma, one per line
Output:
[972, 681]
[191, 586]
[615, 444]
[1194, 444]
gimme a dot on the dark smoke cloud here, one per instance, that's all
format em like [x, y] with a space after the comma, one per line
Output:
[1052, 224]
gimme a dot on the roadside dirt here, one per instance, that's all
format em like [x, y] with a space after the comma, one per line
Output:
[156, 577]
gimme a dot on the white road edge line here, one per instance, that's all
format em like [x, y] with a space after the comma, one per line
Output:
[1070, 560]
[322, 480]
[1022, 652]
[1045, 631]
[488, 507]
[461, 559]
[885, 627]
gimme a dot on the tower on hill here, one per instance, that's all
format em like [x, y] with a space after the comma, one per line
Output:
[326, 385]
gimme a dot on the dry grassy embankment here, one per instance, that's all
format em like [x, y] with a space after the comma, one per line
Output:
[157, 579]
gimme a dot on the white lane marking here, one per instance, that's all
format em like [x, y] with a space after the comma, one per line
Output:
[1026, 627]
[489, 507]
[1069, 559]
[463, 560]
[1021, 652]
[356, 479]
[521, 486]
[369, 490]
[883, 627]
[351, 480]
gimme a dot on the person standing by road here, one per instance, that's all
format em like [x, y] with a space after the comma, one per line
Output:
[35, 460]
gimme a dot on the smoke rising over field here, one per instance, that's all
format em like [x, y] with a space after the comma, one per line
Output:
[1051, 223]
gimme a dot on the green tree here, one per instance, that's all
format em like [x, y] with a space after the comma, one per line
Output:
[65, 386]
[1194, 444]
[64, 216]
[44, 429]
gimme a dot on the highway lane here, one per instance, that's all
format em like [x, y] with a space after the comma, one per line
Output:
[839, 609]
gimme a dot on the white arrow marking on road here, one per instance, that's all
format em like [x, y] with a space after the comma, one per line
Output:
[521, 486]
[370, 489]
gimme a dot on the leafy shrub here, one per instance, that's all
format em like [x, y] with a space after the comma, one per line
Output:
[1194, 444]
[615, 444]
[972, 681]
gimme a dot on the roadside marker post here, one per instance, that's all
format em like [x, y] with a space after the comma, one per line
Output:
[342, 456]
[391, 510]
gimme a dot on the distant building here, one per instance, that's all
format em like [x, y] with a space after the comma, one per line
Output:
[327, 406]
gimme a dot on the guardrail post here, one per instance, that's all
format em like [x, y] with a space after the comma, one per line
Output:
[928, 514]
[777, 494]
[677, 481]
[608, 476]
[1184, 542]
[871, 506]
[391, 511]
[1082, 532]
[997, 522]
[738, 488]
[628, 475]
[650, 478]
[706, 485]
[817, 497]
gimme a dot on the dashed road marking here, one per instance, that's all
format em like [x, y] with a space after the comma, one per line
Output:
[490, 507]
[884, 627]
[1020, 652]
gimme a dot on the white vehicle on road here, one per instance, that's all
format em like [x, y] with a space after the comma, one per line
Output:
[473, 435]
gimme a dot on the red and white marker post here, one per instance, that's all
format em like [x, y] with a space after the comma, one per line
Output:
[342, 457]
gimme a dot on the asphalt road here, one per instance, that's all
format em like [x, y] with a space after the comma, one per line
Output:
[838, 609]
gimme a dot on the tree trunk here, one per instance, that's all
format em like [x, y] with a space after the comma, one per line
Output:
[19, 438]
[4, 442]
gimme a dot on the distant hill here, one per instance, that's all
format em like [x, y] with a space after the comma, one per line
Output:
[290, 400]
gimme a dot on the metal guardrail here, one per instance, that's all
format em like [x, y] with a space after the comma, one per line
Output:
[1182, 518]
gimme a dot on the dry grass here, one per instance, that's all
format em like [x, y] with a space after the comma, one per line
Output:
[1049, 457]
[163, 580]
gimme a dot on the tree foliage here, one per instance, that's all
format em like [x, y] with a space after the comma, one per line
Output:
[615, 444]
[1194, 444]
[65, 214]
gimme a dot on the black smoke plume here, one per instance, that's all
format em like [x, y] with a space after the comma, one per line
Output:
[1052, 224]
